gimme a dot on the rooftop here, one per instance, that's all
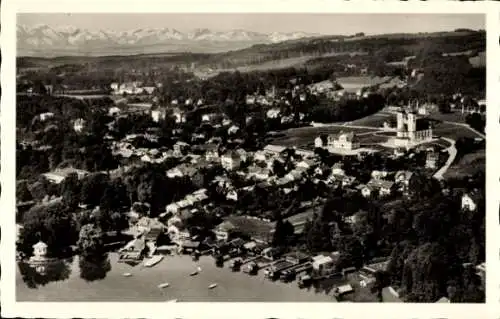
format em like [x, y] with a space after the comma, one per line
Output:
[322, 259]
[380, 183]
[274, 148]
[347, 136]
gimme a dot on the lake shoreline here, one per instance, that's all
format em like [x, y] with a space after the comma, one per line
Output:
[143, 283]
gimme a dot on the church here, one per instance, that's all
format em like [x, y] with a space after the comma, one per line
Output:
[411, 129]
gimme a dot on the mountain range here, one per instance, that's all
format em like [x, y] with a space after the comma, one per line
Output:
[44, 40]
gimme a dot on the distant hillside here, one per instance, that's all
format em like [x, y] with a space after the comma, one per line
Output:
[393, 47]
[400, 45]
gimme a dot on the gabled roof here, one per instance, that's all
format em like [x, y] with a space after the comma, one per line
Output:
[322, 259]
[226, 226]
[443, 300]
[274, 148]
[308, 162]
[407, 174]
[380, 183]
[40, 244]
[349, 136]
[150, 223]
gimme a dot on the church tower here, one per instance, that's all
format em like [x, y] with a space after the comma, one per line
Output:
[411, 122]
[400, 124]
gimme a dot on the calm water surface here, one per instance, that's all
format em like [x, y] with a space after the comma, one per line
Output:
[102, 280]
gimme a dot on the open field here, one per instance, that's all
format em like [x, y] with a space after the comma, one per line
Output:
[453, 131]
[268, 65]
[456, 116]
[376, 120]
[368, 139]
[297, 62]
[469, 164]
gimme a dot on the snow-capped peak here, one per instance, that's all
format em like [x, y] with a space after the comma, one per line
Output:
[45, 37]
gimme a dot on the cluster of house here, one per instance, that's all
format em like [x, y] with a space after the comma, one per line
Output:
[58, 175]
[468, 105]
[278, 263]
[134, 87]
[125, 149]
[261, 168]
[333, 91]
[272, 96]
[208, 116]
[384, 183]
[159, 114]
[464, 104]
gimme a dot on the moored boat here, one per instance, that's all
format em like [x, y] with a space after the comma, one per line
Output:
[212, 286]
[164, 285]
[153, 261]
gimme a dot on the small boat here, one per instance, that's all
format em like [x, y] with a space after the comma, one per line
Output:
[153, 261]
[163, 285]
[199, 269]
[194, 273]
[127, 274]
[212, 286]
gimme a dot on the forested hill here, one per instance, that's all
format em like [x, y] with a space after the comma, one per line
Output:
[393, 47]
[400, 45]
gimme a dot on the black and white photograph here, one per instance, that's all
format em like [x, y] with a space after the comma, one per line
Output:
[250, 157]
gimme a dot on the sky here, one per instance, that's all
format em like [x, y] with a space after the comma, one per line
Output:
[344, 24]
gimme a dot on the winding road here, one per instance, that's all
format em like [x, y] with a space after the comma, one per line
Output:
[452, 151]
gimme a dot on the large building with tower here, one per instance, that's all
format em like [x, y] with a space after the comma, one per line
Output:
[411, 129]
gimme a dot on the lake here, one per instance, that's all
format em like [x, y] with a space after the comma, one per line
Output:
[104, 281]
